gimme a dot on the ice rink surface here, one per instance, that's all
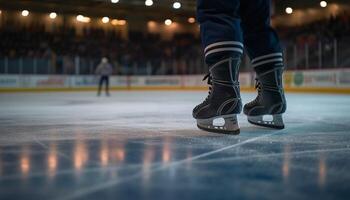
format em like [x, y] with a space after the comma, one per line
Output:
[145, 145]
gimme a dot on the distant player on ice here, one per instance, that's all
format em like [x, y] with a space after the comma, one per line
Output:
[227, 26]
[104, 70]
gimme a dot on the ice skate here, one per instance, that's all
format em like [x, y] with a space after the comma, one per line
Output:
[223, 102]
[270, 102]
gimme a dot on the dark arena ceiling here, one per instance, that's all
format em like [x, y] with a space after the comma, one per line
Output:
[136, 8]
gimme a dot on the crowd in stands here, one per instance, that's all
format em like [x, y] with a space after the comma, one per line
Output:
[140, 49]
[323, 30]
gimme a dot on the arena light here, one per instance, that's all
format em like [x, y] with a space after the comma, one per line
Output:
[114, 1]
[121, 22]
[191, 20]
[168, 22]
[323, 4]
[114, 22]
[148, 2]
[53, 15]
[152, 24]
[176, 5]
[86, 19]
[25, 13]
[105, 20]
[81, 18]
[289, 10]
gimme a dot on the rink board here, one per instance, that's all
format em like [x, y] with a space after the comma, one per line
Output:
[331, 81]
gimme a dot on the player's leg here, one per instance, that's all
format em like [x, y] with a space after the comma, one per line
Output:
[264, 49]
[107, 85]
[100, 83]
[222, 41]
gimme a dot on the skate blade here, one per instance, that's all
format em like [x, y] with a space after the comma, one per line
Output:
[276, 122]
[230, 125]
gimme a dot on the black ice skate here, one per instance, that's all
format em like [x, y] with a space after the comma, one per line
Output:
[223, 101]
[270, 100]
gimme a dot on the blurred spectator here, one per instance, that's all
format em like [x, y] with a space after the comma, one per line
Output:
[142, 50]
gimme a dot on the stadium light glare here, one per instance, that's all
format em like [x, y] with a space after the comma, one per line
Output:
[86, 19]
[105, 20]
[53, 15]
[191, 20]
[323, 4]
[176, 5]
[289, 10]
[121, 22]
[81, 18]
[25, 13]
[118, 22]
[148, 2]
[114, 1]
[168, 22]
[114, 22]
[151, 24]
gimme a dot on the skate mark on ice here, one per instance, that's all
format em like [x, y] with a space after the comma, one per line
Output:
[44, 146]
[215, 160]
[96, 188]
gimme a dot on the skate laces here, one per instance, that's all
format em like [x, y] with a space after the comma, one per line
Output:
[208, 76]
[210, 83]
[258, 87]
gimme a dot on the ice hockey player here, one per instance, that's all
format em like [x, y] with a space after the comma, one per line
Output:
[104, 70]
[227, 27]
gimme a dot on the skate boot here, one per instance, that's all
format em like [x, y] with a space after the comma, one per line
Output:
[224, 101]
[270, 100]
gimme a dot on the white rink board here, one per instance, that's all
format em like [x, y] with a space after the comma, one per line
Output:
[337, 78]
[63, 81]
